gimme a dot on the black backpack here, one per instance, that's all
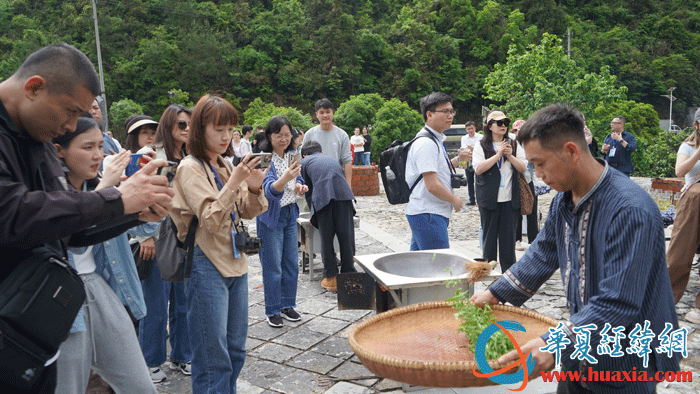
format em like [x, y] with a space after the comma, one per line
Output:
[392, 166]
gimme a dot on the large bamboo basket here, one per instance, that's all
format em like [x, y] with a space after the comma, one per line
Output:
[419, 344]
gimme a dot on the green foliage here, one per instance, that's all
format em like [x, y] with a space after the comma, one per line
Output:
[641, 119]
[657, 158]
[118, 112]
[474, 321]
[395, 120]
[544, 75]
[358, 111]
[292, 52]
[259, 113]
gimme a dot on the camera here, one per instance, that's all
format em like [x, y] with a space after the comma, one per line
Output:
[245, 243]
[458, 180]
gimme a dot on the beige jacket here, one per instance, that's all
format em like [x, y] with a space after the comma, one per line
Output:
[196, 193]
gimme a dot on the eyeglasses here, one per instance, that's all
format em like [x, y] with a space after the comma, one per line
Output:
[615, 122]
[500, 123]
[281, 136]
[182, 125]
[448, 112]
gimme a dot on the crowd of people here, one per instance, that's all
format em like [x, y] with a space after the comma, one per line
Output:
[62, 174]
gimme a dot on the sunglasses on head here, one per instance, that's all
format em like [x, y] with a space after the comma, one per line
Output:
[500, 123]
[182, 125]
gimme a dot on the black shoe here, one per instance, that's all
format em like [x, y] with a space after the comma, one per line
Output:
[290, 314]
[275, 321]
[471, 203]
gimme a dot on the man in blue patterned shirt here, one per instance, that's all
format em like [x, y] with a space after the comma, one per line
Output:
[605, 235]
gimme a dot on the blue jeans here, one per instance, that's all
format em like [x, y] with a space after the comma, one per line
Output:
[153, 327]
[359, 158]
[279, 257]
[428, 231]
[366, 155]
[217, 313]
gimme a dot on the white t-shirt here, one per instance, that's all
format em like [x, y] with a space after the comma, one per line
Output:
[427, 156]
[334, 143]
[242, 149]
[356, 139]
[505, 190]
[690, 150]
[470, 141]
[84, 262]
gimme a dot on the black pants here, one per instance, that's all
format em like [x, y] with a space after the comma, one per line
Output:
[499, 234]
[336, 219]
[470, 185]
[532, 225]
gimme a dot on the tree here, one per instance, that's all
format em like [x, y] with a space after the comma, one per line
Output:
[544, 75]
[395, 120]
[118, 112]
[358, 111]
[259, 113]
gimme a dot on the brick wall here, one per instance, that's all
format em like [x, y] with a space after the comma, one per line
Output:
[365, 180]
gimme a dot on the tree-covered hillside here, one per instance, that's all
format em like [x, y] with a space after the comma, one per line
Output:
[292, 52]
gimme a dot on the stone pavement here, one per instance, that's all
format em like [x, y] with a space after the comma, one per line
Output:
[293, 358]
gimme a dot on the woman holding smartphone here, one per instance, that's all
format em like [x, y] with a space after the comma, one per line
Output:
[277, 227]
[220, 196]
[102, 336]
[165, 301]
[496, 158]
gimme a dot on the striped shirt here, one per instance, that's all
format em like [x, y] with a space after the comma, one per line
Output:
[624, 281]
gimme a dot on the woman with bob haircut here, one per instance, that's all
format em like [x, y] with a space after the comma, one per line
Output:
[171, 136]
[277, 227]
[217, 289]
[495, 159]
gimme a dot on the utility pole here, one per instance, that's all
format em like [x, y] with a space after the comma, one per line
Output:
[568, 45]
[670, 97]
[99, 63]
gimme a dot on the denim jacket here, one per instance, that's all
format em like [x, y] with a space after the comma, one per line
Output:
[272, 215]
[115, 263]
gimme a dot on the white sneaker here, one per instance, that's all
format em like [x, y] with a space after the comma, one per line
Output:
[693, 316]
[185, 368]
[157, 375]
[519, 246]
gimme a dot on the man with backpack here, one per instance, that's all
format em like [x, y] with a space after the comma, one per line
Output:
[431, 202]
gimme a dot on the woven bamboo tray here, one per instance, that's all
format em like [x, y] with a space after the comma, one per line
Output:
[419, 344]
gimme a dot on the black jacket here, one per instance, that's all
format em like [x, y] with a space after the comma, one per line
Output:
[38, 207]
[487, 183]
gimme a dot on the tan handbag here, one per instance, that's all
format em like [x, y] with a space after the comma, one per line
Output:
[527, 200]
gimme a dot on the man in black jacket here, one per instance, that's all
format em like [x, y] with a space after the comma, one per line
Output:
[42, 100]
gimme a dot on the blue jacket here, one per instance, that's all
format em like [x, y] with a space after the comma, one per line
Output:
[326, 181]
[115, 263]
[622, 161]
[626, 278]
[272, 215]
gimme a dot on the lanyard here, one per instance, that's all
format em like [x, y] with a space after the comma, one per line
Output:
[444, 150]
[582, 234]
[221, 186]
[500, 159]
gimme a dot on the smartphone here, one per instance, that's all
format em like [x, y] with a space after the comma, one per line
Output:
[169, 172]
[265, 159]
[137, 161]
[295, 158]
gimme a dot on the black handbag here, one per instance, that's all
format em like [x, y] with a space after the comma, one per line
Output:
[143, 267]
[38, 304]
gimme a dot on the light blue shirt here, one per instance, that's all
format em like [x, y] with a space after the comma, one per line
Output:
[115, 263]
